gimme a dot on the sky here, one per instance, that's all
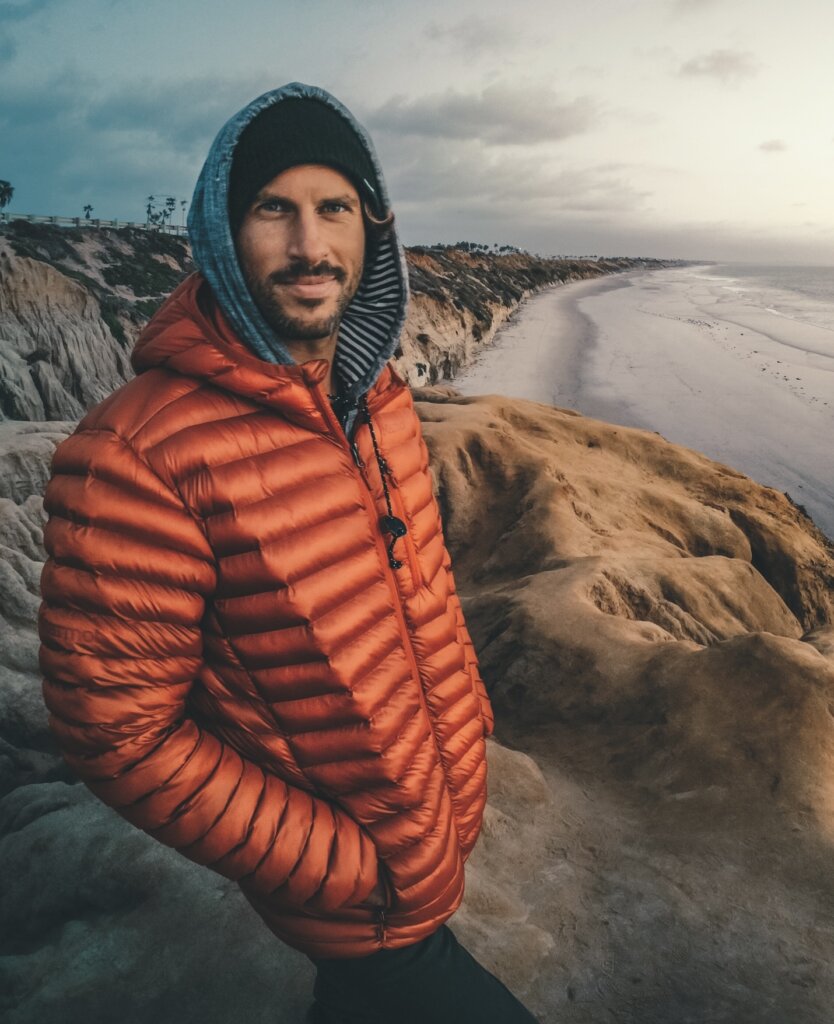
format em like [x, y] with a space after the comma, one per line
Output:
[696, 129]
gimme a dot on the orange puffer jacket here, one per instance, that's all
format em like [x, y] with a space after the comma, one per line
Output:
[228, 657]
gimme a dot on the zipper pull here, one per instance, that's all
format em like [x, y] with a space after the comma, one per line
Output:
[357, 458]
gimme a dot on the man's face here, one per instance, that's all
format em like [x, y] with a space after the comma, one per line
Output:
[301, 248]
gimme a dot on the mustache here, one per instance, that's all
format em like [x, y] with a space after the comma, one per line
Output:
[299, 268]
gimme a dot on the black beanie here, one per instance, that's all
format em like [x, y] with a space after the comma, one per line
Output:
[291, 132]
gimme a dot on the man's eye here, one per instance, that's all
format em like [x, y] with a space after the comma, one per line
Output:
[271, 204]
[335, 206]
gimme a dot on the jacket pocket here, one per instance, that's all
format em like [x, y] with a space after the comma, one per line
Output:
[388, 889]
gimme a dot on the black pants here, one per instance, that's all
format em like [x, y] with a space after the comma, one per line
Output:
[434, 981]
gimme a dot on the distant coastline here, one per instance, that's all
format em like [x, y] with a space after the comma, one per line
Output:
[743, 372]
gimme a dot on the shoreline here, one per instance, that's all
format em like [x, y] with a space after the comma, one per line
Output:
[563, 336]
[677, 352]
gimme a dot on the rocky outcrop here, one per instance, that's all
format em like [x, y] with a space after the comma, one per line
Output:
[58, 356]
[26, 750]
[655, 632]
[71, 304]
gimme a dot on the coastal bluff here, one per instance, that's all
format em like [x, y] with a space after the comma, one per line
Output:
[73, 298]
[654, 628]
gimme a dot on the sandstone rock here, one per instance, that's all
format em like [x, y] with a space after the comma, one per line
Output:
[59, 357]
[103, 924]
[640, 617]
[27, 752]
[25, 452]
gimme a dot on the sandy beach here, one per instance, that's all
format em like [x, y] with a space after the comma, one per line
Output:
[686, 353]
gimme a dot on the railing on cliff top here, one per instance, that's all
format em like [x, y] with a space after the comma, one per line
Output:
[92, 222]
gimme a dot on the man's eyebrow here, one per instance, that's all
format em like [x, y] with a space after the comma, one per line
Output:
[346, 199]
[265, 194]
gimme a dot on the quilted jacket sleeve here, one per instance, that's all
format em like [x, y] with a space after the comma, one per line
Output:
[471, 657]
[124, 591]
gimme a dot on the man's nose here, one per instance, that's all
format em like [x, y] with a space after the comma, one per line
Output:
[308, 241]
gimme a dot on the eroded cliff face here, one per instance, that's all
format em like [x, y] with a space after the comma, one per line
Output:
[72, 302]
[57, 356]
[71, 305]
[655, 632]
[460, 299]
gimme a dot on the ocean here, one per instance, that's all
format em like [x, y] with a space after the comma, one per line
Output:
[800, 293]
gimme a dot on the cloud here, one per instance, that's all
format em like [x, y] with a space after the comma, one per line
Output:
[68, 146]
[14, 13]
[626, 234]
[500, 115]
[184, 115]
[74, 142]
[773, 146]
[22, 11]
[431, 177]
[728, 66]
[474, 36]
[56, 99]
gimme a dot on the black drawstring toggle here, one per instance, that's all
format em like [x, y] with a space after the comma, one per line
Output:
[397, 528]
[388, 524]
[394, 525]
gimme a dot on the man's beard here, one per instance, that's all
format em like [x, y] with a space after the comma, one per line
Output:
[294, 328]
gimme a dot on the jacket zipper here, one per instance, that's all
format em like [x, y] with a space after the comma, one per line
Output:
[370, 505]
[389, 899]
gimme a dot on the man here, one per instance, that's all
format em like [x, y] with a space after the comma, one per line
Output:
[251, 642]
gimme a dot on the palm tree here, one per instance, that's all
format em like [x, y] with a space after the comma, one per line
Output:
[87, 211]
[6, 193]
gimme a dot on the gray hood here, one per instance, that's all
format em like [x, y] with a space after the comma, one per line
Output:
[371, 326]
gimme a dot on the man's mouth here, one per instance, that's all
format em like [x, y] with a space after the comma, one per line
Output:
[309, 282]
[315, 287]
[307, 273]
